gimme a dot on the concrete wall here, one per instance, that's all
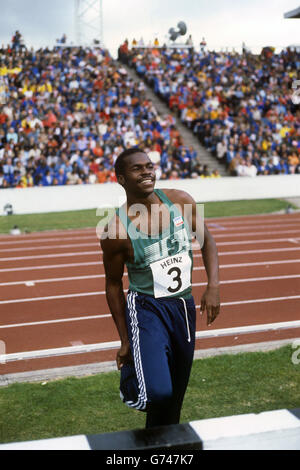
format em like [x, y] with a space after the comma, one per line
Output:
[68, 198]
[269, 430]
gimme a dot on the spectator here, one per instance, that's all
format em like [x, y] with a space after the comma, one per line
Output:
[205, 172]
[245, 168]
[70, 110]
[221, 150]
[73, 177]
[17, 41]
[215, 174]
[46, 179]
[235, 104]
[154, 155]
[12, 136]
[61, 177]
[75, 108]
[2, 178]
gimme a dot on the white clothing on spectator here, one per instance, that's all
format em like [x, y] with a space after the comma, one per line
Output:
[154, 156]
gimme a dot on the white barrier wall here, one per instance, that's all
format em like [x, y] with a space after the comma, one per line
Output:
[269, 430]
[68, 198]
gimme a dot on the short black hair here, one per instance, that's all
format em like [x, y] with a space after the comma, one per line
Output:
[120, 162]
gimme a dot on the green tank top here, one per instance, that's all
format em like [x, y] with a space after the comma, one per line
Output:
[162, 264]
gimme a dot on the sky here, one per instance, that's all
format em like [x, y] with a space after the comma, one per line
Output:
[223, 23]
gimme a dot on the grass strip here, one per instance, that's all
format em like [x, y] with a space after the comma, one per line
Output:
[224, 385]
[88, 218]
[239, 208]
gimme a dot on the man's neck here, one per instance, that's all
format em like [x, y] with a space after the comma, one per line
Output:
[147, 200]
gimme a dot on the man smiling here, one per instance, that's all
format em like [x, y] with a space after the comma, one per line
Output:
[152, 234]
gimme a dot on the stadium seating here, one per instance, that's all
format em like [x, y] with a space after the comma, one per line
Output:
[239, 105]
[68, 112]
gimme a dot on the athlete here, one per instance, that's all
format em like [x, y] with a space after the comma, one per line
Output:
[151, 234]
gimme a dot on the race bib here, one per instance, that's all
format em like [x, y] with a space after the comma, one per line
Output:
[171, 275]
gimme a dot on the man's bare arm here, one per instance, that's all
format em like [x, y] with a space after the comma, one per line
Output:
[113, 260]
[210, 301]
[211, 298]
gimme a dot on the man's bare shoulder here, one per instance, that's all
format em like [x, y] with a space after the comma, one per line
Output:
[177, 196]
[114, 236]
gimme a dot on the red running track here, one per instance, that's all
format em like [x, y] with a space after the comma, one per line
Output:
[52, 292]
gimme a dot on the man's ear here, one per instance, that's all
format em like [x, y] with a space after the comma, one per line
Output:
[121, 180]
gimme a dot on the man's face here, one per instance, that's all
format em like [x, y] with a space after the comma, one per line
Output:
[139, 175]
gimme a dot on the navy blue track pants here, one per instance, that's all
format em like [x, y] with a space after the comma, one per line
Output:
[162, 340]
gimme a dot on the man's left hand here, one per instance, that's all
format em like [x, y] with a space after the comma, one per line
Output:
[210, 303]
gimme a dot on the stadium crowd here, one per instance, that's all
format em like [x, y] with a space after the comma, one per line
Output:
[67, 113]
[239, 105]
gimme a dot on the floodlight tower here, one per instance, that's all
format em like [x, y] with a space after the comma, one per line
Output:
[88, 22]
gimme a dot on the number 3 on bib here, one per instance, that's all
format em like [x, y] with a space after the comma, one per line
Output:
[171, 275]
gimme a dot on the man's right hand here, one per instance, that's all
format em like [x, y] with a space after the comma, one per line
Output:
[123, 355]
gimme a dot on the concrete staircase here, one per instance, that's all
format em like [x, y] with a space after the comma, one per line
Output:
[204, 157]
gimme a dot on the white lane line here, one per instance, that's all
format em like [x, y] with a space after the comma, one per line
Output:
[59, 255]
[240, 330]
[224, 222]
[95, 276]
[53, 279]
[255, 301]
[86, 348]
[242, 234]
[50, 266]
[91, 244]
[249, 252]
[50, 233]
[253, 242]
[96, 263]
[259, 279]
[108, 315]
[52, 297]
[260, 228]
[97, 293]
[258, 263]
[17, 241]
[60, 320]
[254, 219]
[99, 252]
[211, 224]
[49, 247]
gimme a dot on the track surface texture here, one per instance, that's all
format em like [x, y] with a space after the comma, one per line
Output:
[53, 310]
